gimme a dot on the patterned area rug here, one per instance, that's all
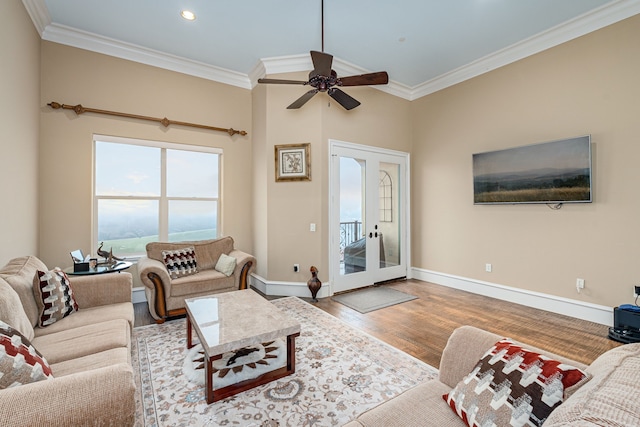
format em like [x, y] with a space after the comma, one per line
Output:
[340, 373]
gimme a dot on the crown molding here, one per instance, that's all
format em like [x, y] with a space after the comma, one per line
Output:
[108, 46]
[584, 24]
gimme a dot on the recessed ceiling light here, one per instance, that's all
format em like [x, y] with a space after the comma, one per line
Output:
[188, 15]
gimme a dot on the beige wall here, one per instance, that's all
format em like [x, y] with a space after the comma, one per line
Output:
[75, 76]
[285, 210]
[19, 126]
[587, 86]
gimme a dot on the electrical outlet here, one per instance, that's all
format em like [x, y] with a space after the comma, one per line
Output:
[488, 268]
[296, 268]
[636, 291]
[579, 284]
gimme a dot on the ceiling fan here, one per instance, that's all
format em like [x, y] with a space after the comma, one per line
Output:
[324, 79]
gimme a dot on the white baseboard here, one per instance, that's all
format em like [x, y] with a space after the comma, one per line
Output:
[295, 289]
[138, 295]
[578, 309]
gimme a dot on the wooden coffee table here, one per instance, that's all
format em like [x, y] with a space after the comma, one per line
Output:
[234, 320]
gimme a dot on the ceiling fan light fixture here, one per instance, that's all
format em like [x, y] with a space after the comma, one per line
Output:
[188, 15]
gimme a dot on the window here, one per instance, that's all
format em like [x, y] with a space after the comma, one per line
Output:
[386, 200]
[148, 191]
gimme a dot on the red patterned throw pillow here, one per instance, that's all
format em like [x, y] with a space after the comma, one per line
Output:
[54, 296]
[180, 262]
[512, 386]
[20, 362]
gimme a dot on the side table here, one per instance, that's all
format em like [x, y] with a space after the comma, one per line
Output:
[100, 269]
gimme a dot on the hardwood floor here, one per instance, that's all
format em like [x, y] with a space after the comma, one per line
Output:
[421, 327]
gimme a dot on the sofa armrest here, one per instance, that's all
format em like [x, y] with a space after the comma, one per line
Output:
[104, 396]
[102, 289]
[468, 344]
[148, 265]
[465, 347]
[155, 277]
[245, 264]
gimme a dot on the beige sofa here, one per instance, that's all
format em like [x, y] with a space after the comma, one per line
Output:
[609, 398]
[166, 295]
[89, 351]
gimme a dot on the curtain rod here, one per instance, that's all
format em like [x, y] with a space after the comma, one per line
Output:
[79, 109]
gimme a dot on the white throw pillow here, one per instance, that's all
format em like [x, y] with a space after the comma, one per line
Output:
[226, 265]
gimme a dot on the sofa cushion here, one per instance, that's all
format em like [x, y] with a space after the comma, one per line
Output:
[207, 251]
[511, 385]
[419, 406]
[226, 265]
[99, 360]
[54, 296]
[90, 316]
[180, 262]
[84, 340]
[20, 362]
[11, 310]
[19, 273]
[610, 398]
[208, 281]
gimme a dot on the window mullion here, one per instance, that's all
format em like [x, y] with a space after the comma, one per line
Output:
[163, 220]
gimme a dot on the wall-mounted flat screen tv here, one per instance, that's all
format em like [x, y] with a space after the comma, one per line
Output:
[550, 172]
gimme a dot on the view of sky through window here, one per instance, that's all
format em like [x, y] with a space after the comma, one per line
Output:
[132, 205]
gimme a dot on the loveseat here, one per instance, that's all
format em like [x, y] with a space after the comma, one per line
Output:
[173, 272]
[609, 397]
[89, 351]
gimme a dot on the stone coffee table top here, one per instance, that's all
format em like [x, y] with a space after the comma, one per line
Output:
[233, 320]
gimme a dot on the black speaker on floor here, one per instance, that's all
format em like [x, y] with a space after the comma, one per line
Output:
[626, 324]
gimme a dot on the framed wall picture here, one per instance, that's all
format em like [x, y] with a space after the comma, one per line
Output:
[293, 162]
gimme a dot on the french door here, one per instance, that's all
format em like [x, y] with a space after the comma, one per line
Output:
[368, 215]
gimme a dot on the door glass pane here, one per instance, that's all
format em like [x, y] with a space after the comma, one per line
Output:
[192, 174]
[126, 226]
[192, 220]
[352, 201]
[127, 170]
[389, 220]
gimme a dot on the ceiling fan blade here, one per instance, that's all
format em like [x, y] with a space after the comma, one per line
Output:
[302, 100]
[343, 99]
[321, 63]
[379, 78]
[282, 82]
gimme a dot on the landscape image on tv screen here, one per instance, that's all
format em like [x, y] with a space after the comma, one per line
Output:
[550, 172]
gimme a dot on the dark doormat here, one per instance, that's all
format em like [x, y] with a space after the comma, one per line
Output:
[373, 298]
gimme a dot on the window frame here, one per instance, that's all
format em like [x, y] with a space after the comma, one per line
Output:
[163, 199]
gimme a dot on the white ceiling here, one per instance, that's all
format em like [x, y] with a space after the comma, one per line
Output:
[424, 45]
